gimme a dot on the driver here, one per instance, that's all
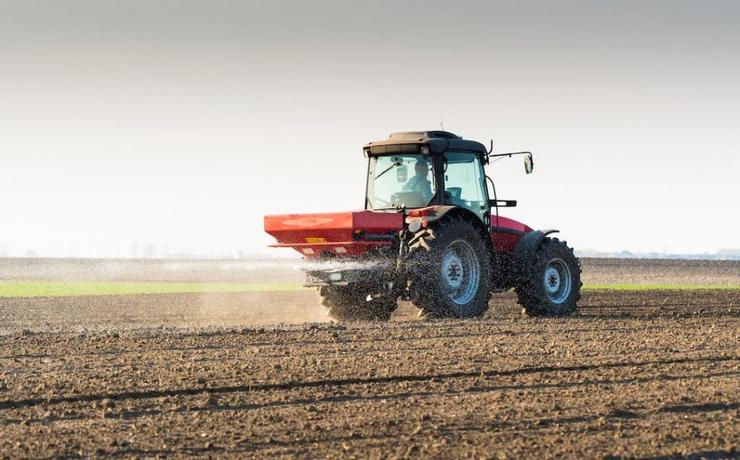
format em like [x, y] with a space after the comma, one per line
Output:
[420, 182]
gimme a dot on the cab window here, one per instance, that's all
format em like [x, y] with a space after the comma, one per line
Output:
[399, 180]
[464, 181]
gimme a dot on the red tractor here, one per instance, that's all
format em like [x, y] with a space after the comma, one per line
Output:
[434, 237]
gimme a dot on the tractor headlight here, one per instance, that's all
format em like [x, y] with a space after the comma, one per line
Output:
[414, 225]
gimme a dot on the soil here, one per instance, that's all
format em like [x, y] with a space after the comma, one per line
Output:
[652, 374]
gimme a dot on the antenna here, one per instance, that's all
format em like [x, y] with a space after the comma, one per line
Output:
[441, 124]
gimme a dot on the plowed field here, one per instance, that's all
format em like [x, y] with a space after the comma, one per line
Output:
[648, 373]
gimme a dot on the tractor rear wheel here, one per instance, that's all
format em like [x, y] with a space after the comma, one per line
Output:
[551, 283]
[449, 270]
[350, 303]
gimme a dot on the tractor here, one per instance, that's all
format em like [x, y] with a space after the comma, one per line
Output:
[429, 233]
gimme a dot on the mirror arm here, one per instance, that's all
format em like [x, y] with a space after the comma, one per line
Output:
[510, 154]
[527, 167]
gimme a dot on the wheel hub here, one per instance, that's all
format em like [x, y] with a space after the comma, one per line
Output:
[460, 272]
[557, 281]
[452, 270]
[552, 279]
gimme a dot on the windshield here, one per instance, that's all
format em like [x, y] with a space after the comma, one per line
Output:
[399, 180]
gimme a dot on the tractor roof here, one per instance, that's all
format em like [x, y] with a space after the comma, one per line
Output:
[412, 141]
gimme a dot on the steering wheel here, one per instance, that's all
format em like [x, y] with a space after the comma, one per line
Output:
[410, 199]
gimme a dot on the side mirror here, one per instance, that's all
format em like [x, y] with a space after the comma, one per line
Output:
[528, 163]
[402, 173]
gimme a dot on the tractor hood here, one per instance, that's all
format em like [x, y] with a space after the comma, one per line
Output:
[343, 233]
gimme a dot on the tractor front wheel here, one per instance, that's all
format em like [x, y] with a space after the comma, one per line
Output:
[551, 283]
[350, 303]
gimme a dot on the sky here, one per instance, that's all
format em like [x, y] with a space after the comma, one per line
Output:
[139, 128]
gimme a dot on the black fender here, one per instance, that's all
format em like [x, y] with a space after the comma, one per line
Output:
[526, 247]
[424, 217]
[435, 213]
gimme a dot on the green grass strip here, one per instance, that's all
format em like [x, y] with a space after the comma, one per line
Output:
[87, 288]
[10, 289]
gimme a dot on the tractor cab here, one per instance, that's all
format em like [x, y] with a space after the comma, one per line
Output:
[418, 169]
[425, 168]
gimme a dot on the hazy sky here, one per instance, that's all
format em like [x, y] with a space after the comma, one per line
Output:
[181, 123]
